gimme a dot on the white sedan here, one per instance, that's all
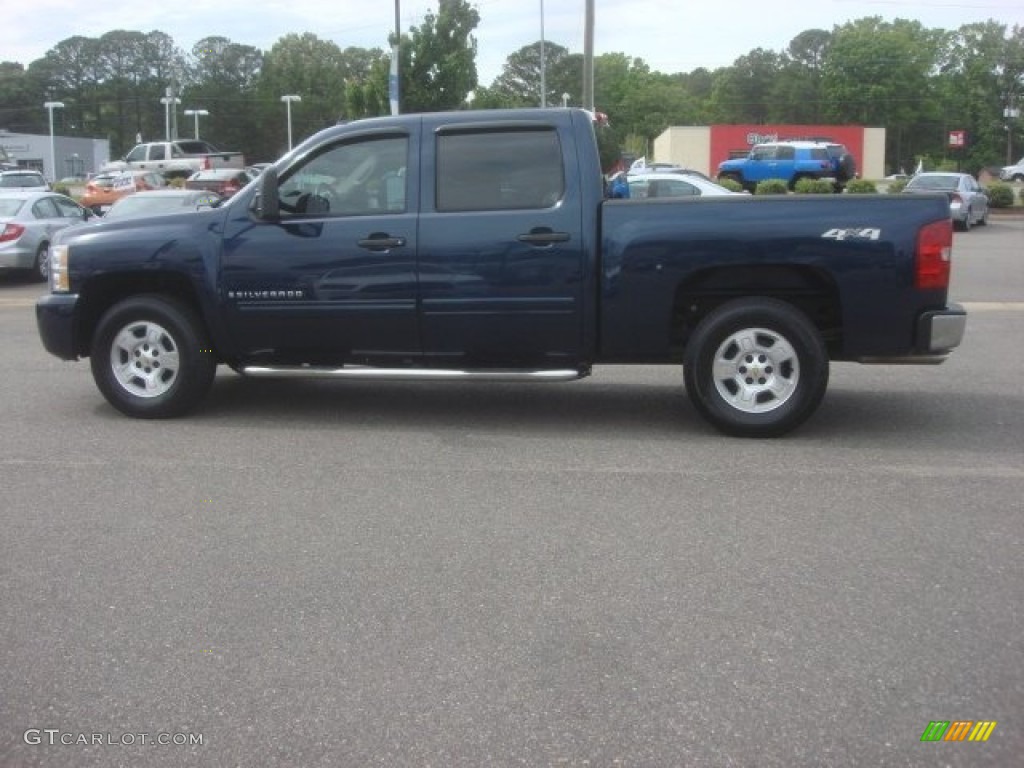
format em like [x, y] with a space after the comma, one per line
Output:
[655, 185]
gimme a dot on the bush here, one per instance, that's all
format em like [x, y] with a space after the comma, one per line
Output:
[772, 187]
[897, 186]
[807, 186]
[731, 184]
[177, 182]
[1000, 195]
[861, 187]
[62, 189]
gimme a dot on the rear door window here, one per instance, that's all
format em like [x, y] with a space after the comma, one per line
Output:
[499, 170]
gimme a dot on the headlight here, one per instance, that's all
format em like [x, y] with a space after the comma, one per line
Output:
[60, 281]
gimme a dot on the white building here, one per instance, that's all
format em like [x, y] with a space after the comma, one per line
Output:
[75, 156]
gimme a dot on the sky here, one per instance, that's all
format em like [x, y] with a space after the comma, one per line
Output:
[669, 35]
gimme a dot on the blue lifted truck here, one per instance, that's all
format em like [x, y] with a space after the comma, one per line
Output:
[478, 245]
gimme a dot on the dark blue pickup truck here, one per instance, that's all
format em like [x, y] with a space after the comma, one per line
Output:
[478, 245]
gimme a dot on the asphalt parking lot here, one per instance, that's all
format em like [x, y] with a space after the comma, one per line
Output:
[584, 574]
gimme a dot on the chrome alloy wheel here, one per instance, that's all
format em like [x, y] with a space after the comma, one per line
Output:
[756, 370]
[144, 359]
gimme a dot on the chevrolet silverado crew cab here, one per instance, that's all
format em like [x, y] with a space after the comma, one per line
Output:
[791, 161]
[478, 246]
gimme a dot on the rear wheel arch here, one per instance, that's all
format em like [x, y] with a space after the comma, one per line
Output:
[811, 290]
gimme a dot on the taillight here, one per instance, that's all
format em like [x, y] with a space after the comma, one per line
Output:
[11, 232]
[207, 165]
[933, 256]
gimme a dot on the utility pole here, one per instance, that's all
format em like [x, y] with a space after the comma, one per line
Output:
[543, 63]
[393, 91]
[588, 57]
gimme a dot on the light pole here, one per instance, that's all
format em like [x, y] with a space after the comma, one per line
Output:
[52, 105]
[543, 62]
[288, 98]
[196, 113]
[565, 100]
[167, 101]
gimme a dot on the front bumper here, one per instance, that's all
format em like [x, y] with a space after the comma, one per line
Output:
[939, 332]
[56, 320]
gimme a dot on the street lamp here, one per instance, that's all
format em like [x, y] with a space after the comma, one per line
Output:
[52, 105]
[196, 113]
[167, 101]
[288, 98]
[565, 99]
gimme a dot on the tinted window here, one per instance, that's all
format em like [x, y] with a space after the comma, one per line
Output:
[499, 170]
[785, 153]
[762, 153]
[156, 152]
[819, 153]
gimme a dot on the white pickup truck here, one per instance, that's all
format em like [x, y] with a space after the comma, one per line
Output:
[1013, 172]
[176, 158]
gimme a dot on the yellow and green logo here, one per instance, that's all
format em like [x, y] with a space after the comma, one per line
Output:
[958, 730]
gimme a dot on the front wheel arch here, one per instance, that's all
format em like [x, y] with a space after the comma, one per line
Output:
[756, 367]
[151, 357]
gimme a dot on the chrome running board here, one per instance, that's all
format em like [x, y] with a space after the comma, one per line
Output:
[410, 374]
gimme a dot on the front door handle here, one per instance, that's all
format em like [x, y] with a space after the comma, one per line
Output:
[543, 237]
[380, 242]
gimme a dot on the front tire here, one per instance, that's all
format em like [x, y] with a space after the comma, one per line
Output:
[151, 358]
[756, 368]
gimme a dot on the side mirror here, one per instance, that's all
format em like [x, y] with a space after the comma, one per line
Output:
[268, 203]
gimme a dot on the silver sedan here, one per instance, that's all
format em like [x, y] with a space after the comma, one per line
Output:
[968, 202]
[673, 184]
[28, 221]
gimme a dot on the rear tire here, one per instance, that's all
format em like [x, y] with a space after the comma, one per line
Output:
[756, 367]
[151, 358]
[41, 268]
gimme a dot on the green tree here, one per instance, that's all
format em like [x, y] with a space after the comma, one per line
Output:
[18, 112]
[224, 80]
[520, 78]
[437, 61]
[796, 92]
[315, 70]
[742, 93]
[980, 77]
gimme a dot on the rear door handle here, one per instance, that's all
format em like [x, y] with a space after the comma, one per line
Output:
[543, 237]
[380, 242]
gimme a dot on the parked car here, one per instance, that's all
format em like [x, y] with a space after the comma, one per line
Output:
[224, 181]
[667, 168]
[1013, 172]
[968, 202]
[23, 179]
[792, 161]
[160, 201]
[107, 187]
[28, 221]
[648, 185]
